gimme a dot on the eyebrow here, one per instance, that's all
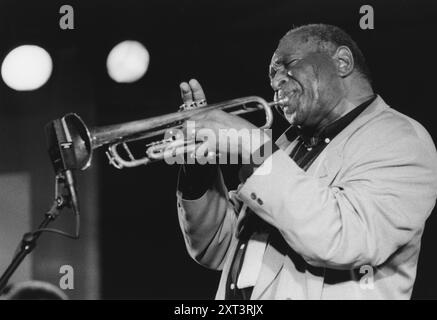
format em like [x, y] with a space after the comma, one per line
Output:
[285, 59]
[273, 68]
[275, 64]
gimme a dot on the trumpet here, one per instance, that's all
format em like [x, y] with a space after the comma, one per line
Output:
[85, 140]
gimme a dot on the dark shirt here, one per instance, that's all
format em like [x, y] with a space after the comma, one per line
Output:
[307, 149]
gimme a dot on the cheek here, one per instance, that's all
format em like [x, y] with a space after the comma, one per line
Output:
[328, 80]
[322, 86]
[310, 94]
[309, 100]
[320, 72]
[307, 79]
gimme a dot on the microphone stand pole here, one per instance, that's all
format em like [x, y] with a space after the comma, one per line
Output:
[28, 243]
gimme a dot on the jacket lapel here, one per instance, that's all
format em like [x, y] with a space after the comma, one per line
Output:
[326, 168]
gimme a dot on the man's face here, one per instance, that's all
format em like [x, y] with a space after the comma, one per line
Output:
[308, 79]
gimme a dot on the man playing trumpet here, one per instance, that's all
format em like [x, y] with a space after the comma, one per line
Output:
[340, 212]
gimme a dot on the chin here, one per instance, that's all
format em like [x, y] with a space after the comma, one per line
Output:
[289, 112]
[291, 118]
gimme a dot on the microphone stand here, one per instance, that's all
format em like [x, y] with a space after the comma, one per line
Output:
[63, 151]
[28, 242]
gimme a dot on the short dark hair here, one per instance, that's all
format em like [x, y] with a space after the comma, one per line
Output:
[329, 38]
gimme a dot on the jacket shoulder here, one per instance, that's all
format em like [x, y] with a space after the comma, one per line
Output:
[392, 129]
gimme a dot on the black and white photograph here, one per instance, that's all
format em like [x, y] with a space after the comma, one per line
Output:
[199, 151]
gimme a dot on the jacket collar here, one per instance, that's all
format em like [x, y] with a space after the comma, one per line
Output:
[375, 108]
[311, 138]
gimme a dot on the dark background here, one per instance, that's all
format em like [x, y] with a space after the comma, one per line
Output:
[130, 215]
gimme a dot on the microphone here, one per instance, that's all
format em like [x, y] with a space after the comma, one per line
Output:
[61, 150]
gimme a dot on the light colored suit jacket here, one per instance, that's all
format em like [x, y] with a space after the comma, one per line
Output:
[355, 218]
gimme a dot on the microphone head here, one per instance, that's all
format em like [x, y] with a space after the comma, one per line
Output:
[69, 143]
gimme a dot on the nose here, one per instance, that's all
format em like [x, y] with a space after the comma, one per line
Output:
[279, 80]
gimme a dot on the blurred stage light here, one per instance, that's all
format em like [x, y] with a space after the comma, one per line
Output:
[128, 61]
[26, 67]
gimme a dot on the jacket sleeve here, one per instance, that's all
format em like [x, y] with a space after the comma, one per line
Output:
[207, 224]
[380, 201]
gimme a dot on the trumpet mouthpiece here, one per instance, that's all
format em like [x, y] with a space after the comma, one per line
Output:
[280, 101]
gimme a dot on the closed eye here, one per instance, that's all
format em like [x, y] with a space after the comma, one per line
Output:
[292, 63]
[277, 66]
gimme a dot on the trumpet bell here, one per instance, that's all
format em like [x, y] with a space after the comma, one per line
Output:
[76, 135]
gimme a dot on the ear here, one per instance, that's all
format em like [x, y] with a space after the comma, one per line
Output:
[344, 61]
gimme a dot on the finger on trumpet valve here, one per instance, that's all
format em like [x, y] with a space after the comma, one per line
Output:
[170, 132]
[174, 134]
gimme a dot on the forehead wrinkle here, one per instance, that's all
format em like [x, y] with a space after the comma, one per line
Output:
[302, 41]
[275, 63]
[298, 44]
